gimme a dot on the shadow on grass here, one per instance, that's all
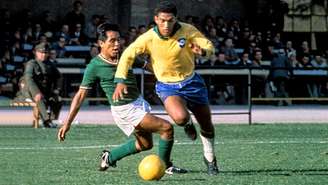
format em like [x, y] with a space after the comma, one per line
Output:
[191, 179]
[279, 172]
[185, 179]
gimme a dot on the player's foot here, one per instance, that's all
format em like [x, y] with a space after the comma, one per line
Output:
[212, 168]
[104, 161]
[173, 169]
[190, 131]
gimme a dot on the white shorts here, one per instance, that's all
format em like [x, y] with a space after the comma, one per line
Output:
[128, 116]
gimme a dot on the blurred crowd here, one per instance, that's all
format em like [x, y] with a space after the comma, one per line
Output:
[237, 43]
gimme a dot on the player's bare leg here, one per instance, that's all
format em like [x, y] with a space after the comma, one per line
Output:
[176, 108]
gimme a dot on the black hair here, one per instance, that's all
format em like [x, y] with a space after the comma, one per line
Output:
[103, 28]
[166, 7]
[77, 2]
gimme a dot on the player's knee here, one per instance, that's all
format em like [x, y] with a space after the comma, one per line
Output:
[167, 131]
[146, 146]
[181, 120]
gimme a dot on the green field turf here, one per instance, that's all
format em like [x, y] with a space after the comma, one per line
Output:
[293, 154]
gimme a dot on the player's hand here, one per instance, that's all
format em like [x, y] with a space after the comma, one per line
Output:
[195, 48]
[62, 132]
[119, 92]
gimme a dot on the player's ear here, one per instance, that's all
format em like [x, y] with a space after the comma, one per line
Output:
[100, 43]
[156, 19]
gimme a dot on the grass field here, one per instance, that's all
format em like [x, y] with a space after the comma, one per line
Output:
[293, 154]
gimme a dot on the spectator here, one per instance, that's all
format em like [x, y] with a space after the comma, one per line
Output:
[77, 36]
[241, 87]
[245, 60]
[141, 29]
[207, 24]
[28, 35]
[151, 25]
[8, 77]
[221, 27]
[311, 89]
[48, 22]
[189, 19]
[280, 73]
[235, 27]
[53, 56]
[257, 61]
[305, 61]
[259, 39]
[43, 39]
[245, 38]
[304, 50]
[59, 46]
[212, 36]
[318, 61]
[43, 84]
[37, 32]
[91, 28]
[268, 53]
[94, 51]
[289, 47]
[277, 44]
[319, 85]
[220, 93]
[64, 32]
[132, 34]
[293, 60]
[16, 44]
[259, 82]
[232, 57]
[75, 16]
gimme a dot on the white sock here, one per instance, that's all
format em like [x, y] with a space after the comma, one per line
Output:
[208, 147]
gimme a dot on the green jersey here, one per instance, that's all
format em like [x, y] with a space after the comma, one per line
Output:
[103, 71]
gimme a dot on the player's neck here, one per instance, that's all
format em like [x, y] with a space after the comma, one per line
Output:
[109, 59]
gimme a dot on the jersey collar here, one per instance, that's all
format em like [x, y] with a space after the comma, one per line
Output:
[106, 60]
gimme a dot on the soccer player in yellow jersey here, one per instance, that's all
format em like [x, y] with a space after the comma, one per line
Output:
[172, 47]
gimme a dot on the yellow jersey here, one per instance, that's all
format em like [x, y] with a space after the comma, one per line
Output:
[171, 58]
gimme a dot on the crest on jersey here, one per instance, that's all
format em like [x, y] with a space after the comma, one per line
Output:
[182, 42]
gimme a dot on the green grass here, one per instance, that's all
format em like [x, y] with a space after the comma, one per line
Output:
[293, 154]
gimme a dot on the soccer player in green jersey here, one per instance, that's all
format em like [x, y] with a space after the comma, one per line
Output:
[131, 114]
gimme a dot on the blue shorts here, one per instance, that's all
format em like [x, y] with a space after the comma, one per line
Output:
[193, 90]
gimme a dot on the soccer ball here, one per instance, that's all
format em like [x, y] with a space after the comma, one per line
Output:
[151, 168]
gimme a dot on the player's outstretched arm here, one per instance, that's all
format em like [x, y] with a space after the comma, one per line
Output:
[75, 107]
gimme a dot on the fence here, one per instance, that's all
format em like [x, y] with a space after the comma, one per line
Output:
[248, 72]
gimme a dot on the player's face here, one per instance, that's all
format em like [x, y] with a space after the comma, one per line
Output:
[111, 46]
[165, 23]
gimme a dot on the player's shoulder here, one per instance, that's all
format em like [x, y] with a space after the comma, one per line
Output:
[187, 27]
[94, 60]
[148, 35]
